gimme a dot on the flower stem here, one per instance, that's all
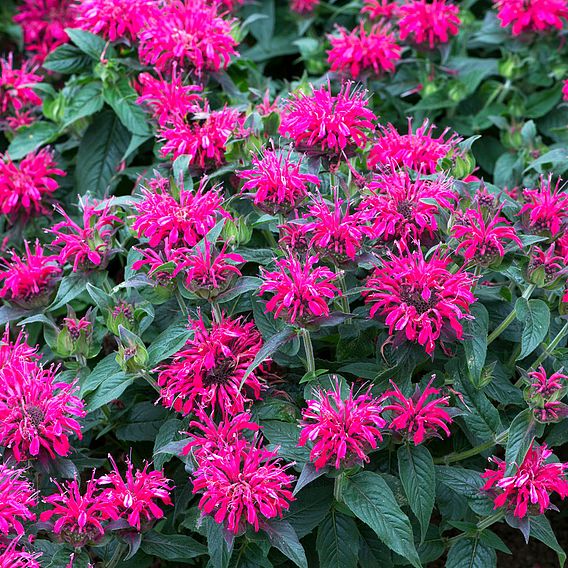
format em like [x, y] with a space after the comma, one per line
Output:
[510, 318]
[117, 556]
[459, 456]
[310, 361]
[553, 344]
[491, 520]
[343, 299]
[181, 303]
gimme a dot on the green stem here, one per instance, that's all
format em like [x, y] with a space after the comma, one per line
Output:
[510, 318]
[270, 238]
[459, 456]
[150, 380]
[117, 556]
[337, 483]
[343, 299]
[216, 311]
[551, 347]
[491, 520]
[310, 361]
[181, 303]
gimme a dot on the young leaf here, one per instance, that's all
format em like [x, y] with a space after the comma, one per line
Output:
[67, 59]
[338, 541]
[521, 434]
[418, 477]
[536, 317]
[371, 500]
[475, 343]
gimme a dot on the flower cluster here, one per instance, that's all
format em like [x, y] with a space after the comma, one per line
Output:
[532, 15]
[17, 499]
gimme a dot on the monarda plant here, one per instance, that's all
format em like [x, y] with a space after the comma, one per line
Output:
[283, 283]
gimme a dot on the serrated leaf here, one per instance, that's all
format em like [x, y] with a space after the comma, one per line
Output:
[30, 138]
[370, 498]
[521, 435]
[418, 477]
[219, 550]
[308, 474]
[166, 434]
[84, 101]
[168, 342]
[90, 44]
[121, 97]
[471, 553]
[541, 530]
[536, 318]
[475, 343]
[66, 59]
[338, 541]
[109, 390]
[175, 547]
[282, 536]
[71, 287]
[309, 509]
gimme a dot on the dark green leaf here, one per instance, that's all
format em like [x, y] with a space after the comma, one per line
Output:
[90, 44]
[30, 138]
[71, 287]
[177, 547]
[338, 541]
[168, 342]
[83, 101]
[541, 530]
[121, 97]
[536, 317]
[109, 390]
[167, 434]
[219, 551]
[281, 535]
[309, 509]
[471, 553]
[521, 434]
[67, 59]
[475, 343]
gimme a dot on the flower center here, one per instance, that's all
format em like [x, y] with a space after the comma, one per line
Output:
[414, 298]
[35, 414]
[405, 209]
[219, 374]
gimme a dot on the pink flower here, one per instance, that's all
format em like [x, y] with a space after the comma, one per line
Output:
[546, 207]
[358, 51]
[25, 187]
[168, 98]
[208, 271]
[303, 6]
[528, 490]
[545, 385]
[17, 351]
[342, 431]
[550, 411]
[30, 278]
[421, 299]
[17, 498]
[43, 24]
[186, 220]
[419, 151]
[241, 485]
[209, 370]
[426, 22]
[87, 245]
[400, 207]
[417, 417]
[545, 266]
[191, 33]
[78, 326]
[277, 183]
[336, 234]
[37, 413]
[482, 240]
[79, 517]
[565, 90]
[136, 495]
[16, 86]
[324, 122]
[378, 9]
[13, 557]
[301, 289]
[532, 15]
[161, 265]
[293, 238]
[202, 136]
[116, 19]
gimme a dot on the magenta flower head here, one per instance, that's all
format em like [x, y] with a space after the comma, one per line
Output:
[532, 15]
[303, 7]
[168, 98]
[322, 123]
[17, 499]
[37, 413]
[16, 351]
[361, 52]
[137, 494]
[420, 416]
[301, 290]
[421, 299]
[565, 90]
[43, 24]
[25, 187]
[547, 385]
[276, 183]
[116, 19]
[546, 208]
[190, 33]
[482, 240]
[377, 9]
[87, 244]
[399, 207]
[16, 86]
[341, 432]
[11, 556]
[336, 233]
[427, 22]
[185, 220]
[419, 150]
[203, 136]
[241, 485]
[528, 490]
[29, 280]
[79, 517]
[545, 266]
[209, 370]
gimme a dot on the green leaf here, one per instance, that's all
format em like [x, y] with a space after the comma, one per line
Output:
[536, 317]
[241, 286]
[144, 422]
[71, 287]
[541, 530]
[67, 59]
[109, 390]
[309, 509]
[471, 553]
[83, 101]
[418, 477]
[104, 369]
[219, 551]
[338, 541]
[168, 342]
[521, 434]
[540, 103]
[30, 138]
[100, 153]
[282, 536]
[466, 482]
[371, 500]
[10, 313]
[475, 343]
[90, 44]
[121, 97]
[166, 434]
[176, 547]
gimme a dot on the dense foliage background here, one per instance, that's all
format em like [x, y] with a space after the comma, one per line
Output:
[319, 306]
